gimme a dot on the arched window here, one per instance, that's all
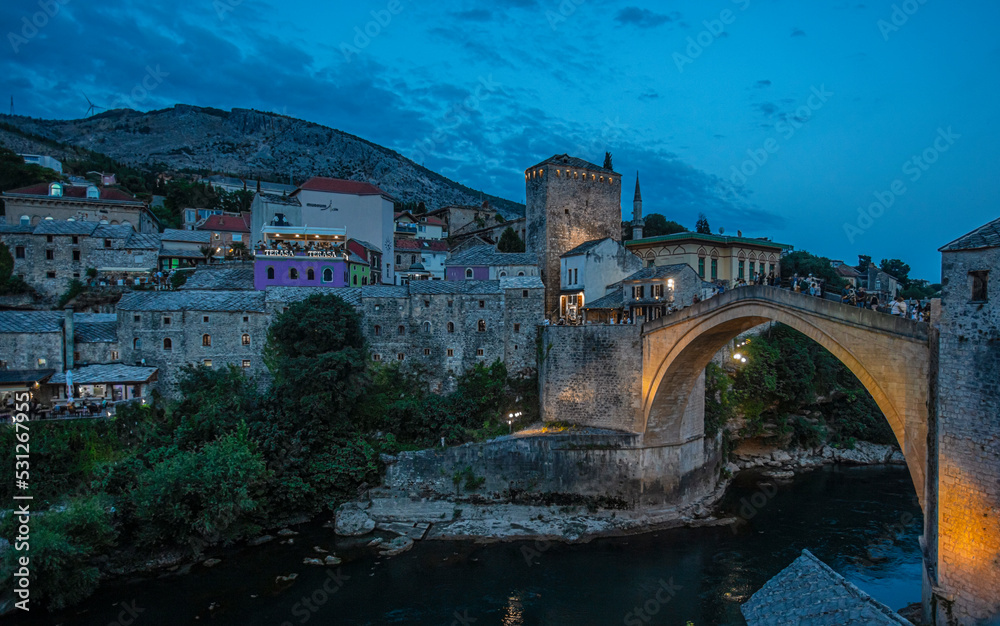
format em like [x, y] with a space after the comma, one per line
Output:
[402, 330]
[293, 274]
[25, 220]
[310, 274]
[355, 280]
[427, 327]
[246, 339]
[93, 192]
[451, 327]
[168, 344]
[520, 273]
[378, 330]
[136, 343]
[482, 326]
[327, 275]
[206, 340]
[56, 189]
[468, 273]
[503, 274]
[270, 272]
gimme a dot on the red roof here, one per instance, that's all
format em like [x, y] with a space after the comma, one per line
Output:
[227, 223]
[433, 221]
[431, 245]
[336, 185]
[75, 191]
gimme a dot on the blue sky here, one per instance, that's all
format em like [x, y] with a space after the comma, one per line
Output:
[774, 117]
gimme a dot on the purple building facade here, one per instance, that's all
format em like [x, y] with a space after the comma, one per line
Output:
[461, 272]
[299, 271]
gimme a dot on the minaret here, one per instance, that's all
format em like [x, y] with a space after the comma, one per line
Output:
[637, 222]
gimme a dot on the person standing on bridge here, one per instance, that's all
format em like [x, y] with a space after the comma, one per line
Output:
[898, 307]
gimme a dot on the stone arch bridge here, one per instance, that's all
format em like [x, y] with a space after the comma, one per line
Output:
[889, 355]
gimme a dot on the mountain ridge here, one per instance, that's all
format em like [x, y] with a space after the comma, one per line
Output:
[242, 142]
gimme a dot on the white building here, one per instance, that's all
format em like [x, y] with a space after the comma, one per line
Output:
[364, 210]
[590, 270]
[44, 161]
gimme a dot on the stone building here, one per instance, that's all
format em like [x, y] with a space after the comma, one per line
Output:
[57, 340]
[649, 294]
[183, 248]
[966, 580]
[53, 253]
[429, 254]
[461, 220]
[29, 206]
[227, 229]
[171, 329]
[485, 263]
[569, 202]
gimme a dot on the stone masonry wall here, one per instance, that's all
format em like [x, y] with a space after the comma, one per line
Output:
[591, 375]
[969, 442]
[21, 351]
[563, 212]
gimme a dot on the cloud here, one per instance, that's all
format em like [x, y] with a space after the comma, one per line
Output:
[649, 94]
[798, 32]
[767, 108]
[761, 84]
[475, 15]
[643, 18]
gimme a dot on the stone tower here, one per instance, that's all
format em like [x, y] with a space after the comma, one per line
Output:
[569, 201]
[637, 222]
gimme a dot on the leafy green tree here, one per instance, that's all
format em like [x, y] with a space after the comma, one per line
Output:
[15, 173]
[608, 164]
[510, 241]
[6, 263]
[657, 226]
[316, 352]
[804, 263]
[897, 269]
[213, 403]
[701, 226]
[864, 262]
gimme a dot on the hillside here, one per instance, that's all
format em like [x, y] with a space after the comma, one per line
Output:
[240, 142]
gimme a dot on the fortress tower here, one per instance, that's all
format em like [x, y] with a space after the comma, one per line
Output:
[569, 201]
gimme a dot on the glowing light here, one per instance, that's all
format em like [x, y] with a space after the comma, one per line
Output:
[737, 356]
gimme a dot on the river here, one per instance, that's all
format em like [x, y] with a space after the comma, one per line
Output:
[863, 522]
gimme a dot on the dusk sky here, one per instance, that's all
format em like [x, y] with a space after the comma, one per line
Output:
[832, 98]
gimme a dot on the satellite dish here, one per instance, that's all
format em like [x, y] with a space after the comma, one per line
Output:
[722, 230]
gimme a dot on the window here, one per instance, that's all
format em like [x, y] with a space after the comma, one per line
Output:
[354, 280]
[701, 267]
[206, 340]
[980, 286]
[76, 274]
[216, 236]
[107, 243]
[742, 270]
[50, 274]
[293, 274]
[468, 273]
[517, 328]
[166, 321]
[376, 357]
[482, 304]
[25, 220]
[451, 352]
[42, 362]
[310, 274]
[114, 355]
[55, 189]
[656, 291]
[245, 339]
[93, 193]
[715, 269]
[638, 292]
[189, 215]
[520, 273]
[204, 319]
[168, 344]
[246, 319]
[400, 356]
[76, 240]
[413, 259]
[378, 330]
[427, 327]
[576, 276]
[524, 293]
[19, 252]
[270, 272]
[399, 259]
[401, 330]
[451, 303]
[327, 275]
[427, 351]
[482, 326]
[207, 362]
[479, 352]
[451, 327]
[246, 363]
[136, 319]
[136, 343]
[427, 303]
[50, 255]
[76, 255]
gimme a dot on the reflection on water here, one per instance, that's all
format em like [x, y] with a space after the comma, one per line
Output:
[863, 522]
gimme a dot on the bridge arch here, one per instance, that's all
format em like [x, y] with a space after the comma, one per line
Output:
[890, 357]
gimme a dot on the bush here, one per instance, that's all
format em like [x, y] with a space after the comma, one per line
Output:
[75, 288]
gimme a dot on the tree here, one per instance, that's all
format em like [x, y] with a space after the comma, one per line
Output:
[15, 173]
[316, 352]
[898, 270]
[6, 264]
[804, 263]
[510, 241]
[864, 261]
[657, 226]
[207, 252]
[607, 161]
[702, 226]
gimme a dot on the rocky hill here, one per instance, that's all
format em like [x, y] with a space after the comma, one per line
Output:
[240, 142]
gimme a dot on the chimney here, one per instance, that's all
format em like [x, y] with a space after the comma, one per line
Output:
[69, 345]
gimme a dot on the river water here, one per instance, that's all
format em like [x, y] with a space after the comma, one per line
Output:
[863, 522]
